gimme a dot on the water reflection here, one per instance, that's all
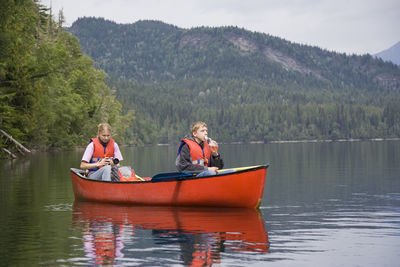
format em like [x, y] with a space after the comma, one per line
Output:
[198, 235]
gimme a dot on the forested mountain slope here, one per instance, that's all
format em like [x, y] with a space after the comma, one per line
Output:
[155, 51]
[246, 85]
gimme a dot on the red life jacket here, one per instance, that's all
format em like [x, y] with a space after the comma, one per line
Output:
[200, 156]
[99, 151]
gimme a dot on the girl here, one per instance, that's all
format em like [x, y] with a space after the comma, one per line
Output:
[101, 154]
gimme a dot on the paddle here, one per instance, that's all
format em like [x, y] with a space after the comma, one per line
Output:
[170, 176]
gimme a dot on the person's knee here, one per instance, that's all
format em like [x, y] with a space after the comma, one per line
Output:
[226, 172]
[207, 173]
[106, 176]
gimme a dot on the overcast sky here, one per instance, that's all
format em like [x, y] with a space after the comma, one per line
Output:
[348, 26]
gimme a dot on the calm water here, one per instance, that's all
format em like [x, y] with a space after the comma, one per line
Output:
[325, 204]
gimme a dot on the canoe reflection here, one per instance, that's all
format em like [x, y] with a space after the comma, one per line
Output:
[202, 233]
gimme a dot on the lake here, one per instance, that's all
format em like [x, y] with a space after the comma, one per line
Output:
[325, 204]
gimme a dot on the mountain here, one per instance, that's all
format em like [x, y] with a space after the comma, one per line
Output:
[391, 54]
[155, 51]
[247, 86]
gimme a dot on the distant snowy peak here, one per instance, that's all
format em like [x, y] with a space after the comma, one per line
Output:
[392, 54]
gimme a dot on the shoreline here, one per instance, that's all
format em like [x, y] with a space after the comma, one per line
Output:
[334, 140]
[33, 150]
[302, 141]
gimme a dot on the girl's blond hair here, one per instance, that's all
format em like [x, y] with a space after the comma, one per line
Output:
[102, 127]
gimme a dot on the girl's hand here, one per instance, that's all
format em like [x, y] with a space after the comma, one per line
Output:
[104, 161]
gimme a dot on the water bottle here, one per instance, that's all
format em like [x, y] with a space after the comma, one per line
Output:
[213, 145]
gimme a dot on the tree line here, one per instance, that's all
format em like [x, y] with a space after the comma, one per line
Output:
[239, 111]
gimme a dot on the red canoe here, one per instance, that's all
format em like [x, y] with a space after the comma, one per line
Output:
[242, 189]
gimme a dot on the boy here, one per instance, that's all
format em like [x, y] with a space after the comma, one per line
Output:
[195, 154]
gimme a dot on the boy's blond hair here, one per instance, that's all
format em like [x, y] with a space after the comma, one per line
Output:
[195, 126]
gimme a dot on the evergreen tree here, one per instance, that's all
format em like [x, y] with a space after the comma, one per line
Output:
[51, 95]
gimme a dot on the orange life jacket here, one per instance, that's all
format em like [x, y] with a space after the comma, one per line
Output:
[127, 174]
[99, 151]
[200, 156]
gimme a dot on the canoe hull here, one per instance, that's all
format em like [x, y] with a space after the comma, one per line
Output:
[243, 188]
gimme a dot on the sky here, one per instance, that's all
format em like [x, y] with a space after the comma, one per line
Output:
[345, 26]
